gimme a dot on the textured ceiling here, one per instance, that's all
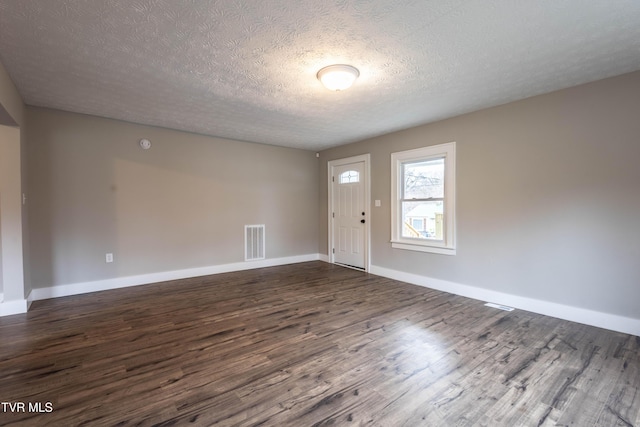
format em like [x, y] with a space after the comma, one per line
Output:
[245, 69]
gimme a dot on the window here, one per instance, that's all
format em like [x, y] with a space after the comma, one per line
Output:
[423, 199]
[349, 176]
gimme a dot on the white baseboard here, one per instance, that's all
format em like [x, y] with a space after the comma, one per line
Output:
[145, 279]
[8, 308]
[588, 317]
[599, 319]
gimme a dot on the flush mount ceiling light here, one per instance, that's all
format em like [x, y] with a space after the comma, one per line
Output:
[338, 77]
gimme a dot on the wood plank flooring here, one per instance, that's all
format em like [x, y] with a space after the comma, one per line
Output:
[309, 344]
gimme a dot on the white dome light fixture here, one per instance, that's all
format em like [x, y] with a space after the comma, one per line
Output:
[338, 77]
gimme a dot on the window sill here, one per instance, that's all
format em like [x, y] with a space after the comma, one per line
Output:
[423, 248]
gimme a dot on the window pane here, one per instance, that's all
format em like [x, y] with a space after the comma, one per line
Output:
[423, 179]
[430, 214]
[349, 177]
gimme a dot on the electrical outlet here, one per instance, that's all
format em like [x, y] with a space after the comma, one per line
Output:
[109, 258]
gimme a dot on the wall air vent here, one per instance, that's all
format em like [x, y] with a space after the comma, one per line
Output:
[253, 242]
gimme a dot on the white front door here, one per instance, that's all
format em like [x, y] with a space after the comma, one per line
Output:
[348, 216]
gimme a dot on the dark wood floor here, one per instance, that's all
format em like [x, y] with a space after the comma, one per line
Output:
[309, 344]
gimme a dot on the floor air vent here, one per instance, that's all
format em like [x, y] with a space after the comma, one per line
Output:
[253, 242]
[499, 306]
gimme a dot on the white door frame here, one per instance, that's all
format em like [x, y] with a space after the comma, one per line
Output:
[366, 158]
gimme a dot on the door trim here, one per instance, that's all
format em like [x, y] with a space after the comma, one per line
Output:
[366, 158]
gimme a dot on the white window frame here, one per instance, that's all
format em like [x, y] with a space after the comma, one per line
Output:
[447, 246]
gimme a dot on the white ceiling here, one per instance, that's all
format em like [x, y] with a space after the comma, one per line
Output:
[246, 69]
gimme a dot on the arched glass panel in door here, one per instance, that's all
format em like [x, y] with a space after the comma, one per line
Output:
[347, 177]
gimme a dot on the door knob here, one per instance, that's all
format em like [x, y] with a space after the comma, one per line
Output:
[362, 221]
[362, 213]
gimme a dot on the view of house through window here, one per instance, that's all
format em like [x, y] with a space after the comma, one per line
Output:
[423, 199]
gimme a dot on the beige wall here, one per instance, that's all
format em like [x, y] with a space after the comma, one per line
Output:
[1, 257]
[548, 197]
[13, 226]
[182, 204]
[11, 256]
[11, 106]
